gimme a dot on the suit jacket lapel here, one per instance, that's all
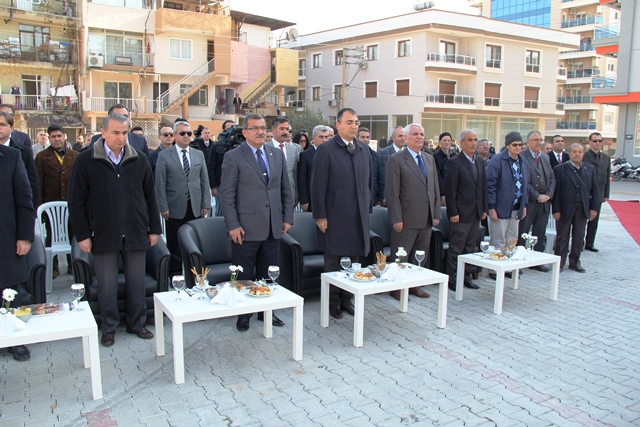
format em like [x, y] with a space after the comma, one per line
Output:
[177, 159]
[468, 165]
[413, 166]
[251, 159]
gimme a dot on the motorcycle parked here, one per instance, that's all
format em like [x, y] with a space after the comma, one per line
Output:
[621, 168]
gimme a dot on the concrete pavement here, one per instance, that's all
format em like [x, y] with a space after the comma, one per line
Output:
[570, 362]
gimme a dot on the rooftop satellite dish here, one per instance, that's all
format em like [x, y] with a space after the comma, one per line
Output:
[423, 5]
[293, 34]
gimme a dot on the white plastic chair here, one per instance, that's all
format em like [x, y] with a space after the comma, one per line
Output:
[58, 217]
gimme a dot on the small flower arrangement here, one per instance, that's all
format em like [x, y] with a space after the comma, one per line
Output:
[400, 255]
[528, 240]
[235, 270]
[8, 295]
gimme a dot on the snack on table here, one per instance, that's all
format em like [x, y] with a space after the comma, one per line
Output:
[260, 290]
[22, 311]
[497, 255]
[363, 276]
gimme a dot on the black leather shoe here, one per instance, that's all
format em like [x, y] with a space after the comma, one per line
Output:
[471, 285]
[20, 353]
[274, 319]
[242, 325]
[592, 249]
[108, 340]
[348, 307]
[143, 333]
[542, 268]
[335, 312]
[577, 268]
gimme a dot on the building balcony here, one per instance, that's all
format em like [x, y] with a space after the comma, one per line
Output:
[141, 105]
[450, 101]
[603, 82]
[302, 73]
[207, 23]
[584, 47]
[452, 64]
[583, 72]
[562, 73]
[55, 53]
[578, 102]
[590, 125]
[580, 22]
[559, 107]
[129, 59]
[62, 9]
[607, 31]
[41, 102]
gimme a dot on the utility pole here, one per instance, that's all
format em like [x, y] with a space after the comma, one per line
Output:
[358, 57]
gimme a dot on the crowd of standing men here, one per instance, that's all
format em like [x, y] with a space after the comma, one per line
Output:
[117, 190]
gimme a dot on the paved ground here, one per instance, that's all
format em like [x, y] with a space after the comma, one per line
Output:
[571, 362]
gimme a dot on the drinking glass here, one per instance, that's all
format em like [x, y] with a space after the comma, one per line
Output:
[373, 268]
[420, 256]
[178, 284]
[345, 263]
[534, 242]
[77, 292]
[274, 272]
[484, 245]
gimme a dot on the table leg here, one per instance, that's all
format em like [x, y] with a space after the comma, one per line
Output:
[404, 300]
[178, 353]
[94, 355]
[324, 303]
[298, 327]
[497, 305]
[158, 315]
[460, 280]
[443, 292]
[358, 320]
[86, 354]
[268, 323]
[515, 275]
[555, 278]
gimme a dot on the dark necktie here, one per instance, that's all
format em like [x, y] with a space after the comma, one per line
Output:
[537, 160]
[422, 168]
[598, 157]
[262, 166]
[559, 158]
[185, 163]
[351, 148]
[282, 146]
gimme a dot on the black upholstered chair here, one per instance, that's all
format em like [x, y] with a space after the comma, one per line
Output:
[156, 277]
[301, 263]
[204, 243]
[440, 241]
[33, 291]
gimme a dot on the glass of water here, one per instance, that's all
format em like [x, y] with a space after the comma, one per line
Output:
[178, 284]
[345, 263]
[274, 273]
[420, 256]
[484, 245]
[77, 292]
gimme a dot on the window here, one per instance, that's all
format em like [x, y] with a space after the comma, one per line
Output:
[302, 97]
[372, 52]
[316, 93]
[200, 98]
[448, 51]
[492, 94]
[402, 87]
[404, 48]
[337, 91]
[531, 95]
[33, 36]
[608, 118]
[117, 49]
[118, 93]
[532, 59]
[611, 67]
[493, 56]
[446, 91]
[180, 49]
[172, 5]
[337, 57]
[370, 89]
[302, 68]
[317, 60]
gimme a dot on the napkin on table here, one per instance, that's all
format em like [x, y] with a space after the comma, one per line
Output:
[228, 296]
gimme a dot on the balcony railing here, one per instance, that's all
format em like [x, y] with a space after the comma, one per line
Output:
[451, 59]
[562, 72]
[585, 20]
[580, 99]
[533, 68]
[119, 58]
[296, 103]
[559, 106]
[584, 47]
[54, 52]
[531, 104]
[139, 105]
[302, 73]
[603, 82]
[493, 63]
[41, 102]
[575, 125]
[52, 7]
[583, 72]
[491, 102]
[451, 99]
[607, 32]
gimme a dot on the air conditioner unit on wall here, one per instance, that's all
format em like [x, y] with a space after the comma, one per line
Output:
[572, 10]
[333, 103]
[569, 61]
[95, 61]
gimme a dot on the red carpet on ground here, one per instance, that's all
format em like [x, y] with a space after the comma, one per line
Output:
[629, 215]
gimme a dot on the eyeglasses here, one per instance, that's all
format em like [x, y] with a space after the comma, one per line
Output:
[166, 135]
[258, 128]
[186, 132]
[597, 140]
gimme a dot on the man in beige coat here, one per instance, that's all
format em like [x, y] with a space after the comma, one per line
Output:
[413, 198]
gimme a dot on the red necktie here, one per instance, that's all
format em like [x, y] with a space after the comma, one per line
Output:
[559, 158]
[282, 147]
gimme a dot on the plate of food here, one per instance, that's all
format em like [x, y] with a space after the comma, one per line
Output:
[241, 285]
[361, 276]
[260, 291]
[498, 256]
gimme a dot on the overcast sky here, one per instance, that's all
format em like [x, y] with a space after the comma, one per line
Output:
[312, 16]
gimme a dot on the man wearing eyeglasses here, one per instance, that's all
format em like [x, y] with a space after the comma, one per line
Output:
[507, 191]
[257, 204]
[602, 164]
[166, 141]
[182, 188]
[136, 141]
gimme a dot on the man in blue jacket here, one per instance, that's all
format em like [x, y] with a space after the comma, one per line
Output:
[507, 191]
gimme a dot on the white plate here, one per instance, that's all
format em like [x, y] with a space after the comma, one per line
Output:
[259, 296]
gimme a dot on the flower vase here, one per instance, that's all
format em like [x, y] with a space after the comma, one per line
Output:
[6, 325]
[527, 246]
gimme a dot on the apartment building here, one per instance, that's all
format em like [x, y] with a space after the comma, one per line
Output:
[39, 54]
[580, 69]
[623, 42]
[445, 70]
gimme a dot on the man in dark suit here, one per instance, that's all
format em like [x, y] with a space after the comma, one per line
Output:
[6, 119]
[466, 183]
[397, 142]
[341, 188]
[166, 138]
[136, 141]
[17, 219]
[382, 143]
[442, 155]
[558, 156]
[602, 165]
[319, 135]
[203, 141]
[182, 188]
[542, 183]
[17, 136]
[257, 204]
[364, 135]
[576, 199]
[413, 199]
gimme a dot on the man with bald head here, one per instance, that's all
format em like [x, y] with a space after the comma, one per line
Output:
[397, 143]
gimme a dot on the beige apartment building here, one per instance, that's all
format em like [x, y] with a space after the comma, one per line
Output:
[445, 70]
